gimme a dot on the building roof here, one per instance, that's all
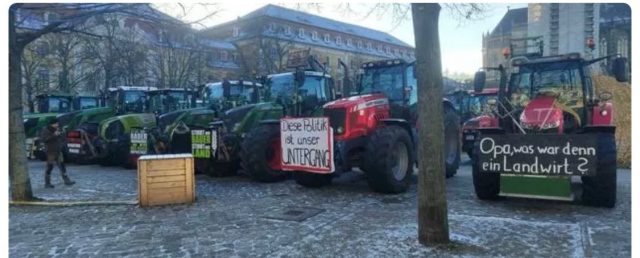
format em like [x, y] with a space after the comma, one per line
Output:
[282, 13]
[512, 17]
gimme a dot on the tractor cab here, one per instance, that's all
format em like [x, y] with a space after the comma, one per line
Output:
[167, 100]
[229, 94]
[86, 102]
[52, 103]
[395, 80]
[300, 92]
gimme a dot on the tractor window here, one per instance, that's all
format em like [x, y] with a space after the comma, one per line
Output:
[386, 80]
[282, 85]
[88, 103]
[59, 105]
[314, 86]
[559, 80]
[412, 85]
[134, 101]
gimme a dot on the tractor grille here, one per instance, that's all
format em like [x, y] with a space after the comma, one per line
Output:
[337, 117]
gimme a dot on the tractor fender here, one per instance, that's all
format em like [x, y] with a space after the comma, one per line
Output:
[270, 121]
[446, 103]
[402, 124]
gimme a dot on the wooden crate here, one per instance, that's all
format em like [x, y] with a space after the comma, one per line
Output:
[165, 179]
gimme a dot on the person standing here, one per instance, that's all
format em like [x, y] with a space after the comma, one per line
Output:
[51, 136]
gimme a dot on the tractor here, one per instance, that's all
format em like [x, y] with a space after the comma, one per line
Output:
[477, 111]
[123, 138]
[376, 129]
[547, 127]
[47, 107]
[82, 131]
[173, 133]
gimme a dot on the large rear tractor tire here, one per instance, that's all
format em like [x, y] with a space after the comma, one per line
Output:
[451, 142]
[312, 180]
[600, 190]
[388, 160]
[260, 153]
[486, 185]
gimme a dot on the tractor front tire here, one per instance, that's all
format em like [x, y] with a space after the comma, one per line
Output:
[258, 153]
[600, 190]
[451, 142]
[312, 180]
[486, 185]
[388, 160]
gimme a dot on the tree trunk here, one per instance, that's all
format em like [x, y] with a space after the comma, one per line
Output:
[18, 170]
[433, 225]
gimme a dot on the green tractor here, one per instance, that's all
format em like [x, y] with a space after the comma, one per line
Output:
[253, 138]
[123, 138]
[47, 107]
[174, 129]
[82, 128]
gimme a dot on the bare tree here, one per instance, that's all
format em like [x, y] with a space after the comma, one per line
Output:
[32, 61]
[68, 55]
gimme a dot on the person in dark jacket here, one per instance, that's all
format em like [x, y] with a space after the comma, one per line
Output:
[53, 141]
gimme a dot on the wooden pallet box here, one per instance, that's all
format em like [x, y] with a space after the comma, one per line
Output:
[166, 179]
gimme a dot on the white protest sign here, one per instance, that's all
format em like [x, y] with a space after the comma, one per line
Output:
[307, 144]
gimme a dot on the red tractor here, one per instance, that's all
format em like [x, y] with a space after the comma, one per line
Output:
[548, 127]
[477, 106]
[376, 129]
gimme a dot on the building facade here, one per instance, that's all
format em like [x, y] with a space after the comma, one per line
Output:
[512, 26]
[267, 36]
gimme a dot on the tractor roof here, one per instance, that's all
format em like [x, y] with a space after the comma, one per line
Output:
[310, 73]
[486, 91]
[143, 88]
[523, 61]
[386, 62]
[235, 82]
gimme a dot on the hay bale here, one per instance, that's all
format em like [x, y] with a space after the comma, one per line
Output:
[622, 114]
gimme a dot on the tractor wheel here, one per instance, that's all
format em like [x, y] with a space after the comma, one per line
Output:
[40, 155]
[451, 142]
[486, 185]
[388, 160]
[312, 180]
[222, 169]
[600, 190]
[260, 153]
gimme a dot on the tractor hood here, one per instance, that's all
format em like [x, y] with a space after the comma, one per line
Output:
[541, 113]
[358, 102]
[114, 127]
[483, 121]
[39, 115]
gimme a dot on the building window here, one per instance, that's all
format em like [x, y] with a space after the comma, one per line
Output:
[369, 46]
[272, 27]
[338, 40]
[349, 42]
[301, 32]
[224, 56]
[314, 35]
[359, 44]
[162, 36]
[43, 77]
[327, 38]
[379, 48]
[236, 31]
[287, 30]
[388, 50]
[234, 57]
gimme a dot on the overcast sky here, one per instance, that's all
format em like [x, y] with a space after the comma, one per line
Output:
[460, 41]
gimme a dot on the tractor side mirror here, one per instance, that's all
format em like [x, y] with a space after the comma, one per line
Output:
[619, 68]
[479, 80]
[226, 89]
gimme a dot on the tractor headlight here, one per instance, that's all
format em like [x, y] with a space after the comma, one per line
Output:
[340, 130]
[24, 121]
[546, 126]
